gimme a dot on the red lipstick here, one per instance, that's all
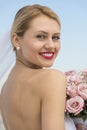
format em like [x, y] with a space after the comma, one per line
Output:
[47, 55]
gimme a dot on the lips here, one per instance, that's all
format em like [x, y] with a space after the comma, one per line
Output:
[47, 55]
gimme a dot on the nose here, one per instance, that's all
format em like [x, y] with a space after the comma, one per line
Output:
[50, 44]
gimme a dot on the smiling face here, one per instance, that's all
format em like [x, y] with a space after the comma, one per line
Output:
[41, 42]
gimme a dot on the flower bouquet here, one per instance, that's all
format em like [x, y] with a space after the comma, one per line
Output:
[76, 94]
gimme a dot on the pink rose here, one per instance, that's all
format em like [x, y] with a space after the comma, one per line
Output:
[72, 90]
[82, 90]
[85, 71]
[75, 105]
[77, 78]
[73, 78]
[71, 72]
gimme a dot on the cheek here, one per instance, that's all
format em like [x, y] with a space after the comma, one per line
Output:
[58, 46]
[26, 49]
[26, 44]
[30, 49]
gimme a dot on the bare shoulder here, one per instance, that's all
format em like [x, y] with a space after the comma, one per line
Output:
[53, 71]
[52, 75]
[53, 90]
[52, 80]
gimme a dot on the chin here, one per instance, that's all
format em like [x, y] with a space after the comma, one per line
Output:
[48, 65]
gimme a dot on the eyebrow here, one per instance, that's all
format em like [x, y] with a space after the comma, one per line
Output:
[57, 33]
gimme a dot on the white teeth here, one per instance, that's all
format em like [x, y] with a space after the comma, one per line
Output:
[47, 54]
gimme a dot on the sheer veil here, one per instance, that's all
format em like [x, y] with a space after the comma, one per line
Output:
[7, 57]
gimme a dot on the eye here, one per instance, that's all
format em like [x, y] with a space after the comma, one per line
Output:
[40, 36]
[55, 38]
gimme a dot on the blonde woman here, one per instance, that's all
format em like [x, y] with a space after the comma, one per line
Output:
[32, 97]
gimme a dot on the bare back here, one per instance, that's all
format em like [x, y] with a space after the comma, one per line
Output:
[22, 98]
[21, 101]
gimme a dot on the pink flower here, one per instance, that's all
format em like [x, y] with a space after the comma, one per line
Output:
[71, 72]
[76, 93]
[82, 90]
[85, 71]
[73, 77]
[72, 90]
[75, 105]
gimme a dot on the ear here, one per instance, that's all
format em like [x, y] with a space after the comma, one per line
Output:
[15, 40]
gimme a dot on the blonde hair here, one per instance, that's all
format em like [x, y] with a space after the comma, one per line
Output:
[26, 14]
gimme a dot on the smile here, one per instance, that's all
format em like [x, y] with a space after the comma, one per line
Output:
[47, 55]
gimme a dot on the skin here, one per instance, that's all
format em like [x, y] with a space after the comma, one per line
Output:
[33, 98]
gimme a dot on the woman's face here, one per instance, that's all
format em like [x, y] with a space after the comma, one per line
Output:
[41, 42]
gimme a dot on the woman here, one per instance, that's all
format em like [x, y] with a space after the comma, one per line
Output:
[33, 98]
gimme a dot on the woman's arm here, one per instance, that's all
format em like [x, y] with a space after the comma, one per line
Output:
[53, 101]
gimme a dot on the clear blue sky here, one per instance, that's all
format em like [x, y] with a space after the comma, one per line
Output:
[73, 15]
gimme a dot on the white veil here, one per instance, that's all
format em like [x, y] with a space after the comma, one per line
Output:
[7, 57]
[7, 61]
